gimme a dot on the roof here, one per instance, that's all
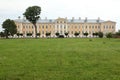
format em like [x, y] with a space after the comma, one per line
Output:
[68, 21]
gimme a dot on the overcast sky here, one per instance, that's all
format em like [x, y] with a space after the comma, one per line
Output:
[92, 9]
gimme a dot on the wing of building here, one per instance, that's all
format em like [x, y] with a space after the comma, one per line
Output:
[63, 25]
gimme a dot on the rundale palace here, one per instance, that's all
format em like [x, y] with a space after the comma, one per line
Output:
[63, 25]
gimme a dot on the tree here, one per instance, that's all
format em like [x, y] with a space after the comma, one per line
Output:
[86, 34]
[96, 34]
[2, 34]
[21, 34]
[76, 34]
[93, 34]
[48, 34]
[118, 33]
[66, 34]
[9, 27]
[32, 15]
[109, 35]
[57, 34]
[29, 34]
[38, 34]
[100, 34]
[18, 34]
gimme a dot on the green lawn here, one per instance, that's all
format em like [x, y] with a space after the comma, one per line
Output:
[60, 59]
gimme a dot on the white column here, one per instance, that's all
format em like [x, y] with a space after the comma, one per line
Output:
[63, 29]
[59, 28]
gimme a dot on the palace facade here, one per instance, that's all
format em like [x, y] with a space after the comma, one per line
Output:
[63, 25]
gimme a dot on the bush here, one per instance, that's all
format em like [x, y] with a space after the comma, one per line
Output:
[100, 34]
[109, 35]
[38, 34]
[57, 34]
[61, 36]
[85, 34]
[76, 34]
[2, 34]
[29, 34]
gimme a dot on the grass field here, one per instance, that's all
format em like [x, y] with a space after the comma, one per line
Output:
[60, 59]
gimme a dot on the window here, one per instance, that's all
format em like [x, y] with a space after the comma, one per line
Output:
[82, 26]
[64, 27]
[57, 26]
[43, 27]
[60, 32]
[112, 27]
[93, 27]
[75, 27]
[89, 26]
[86, 26]
[89, 32]
[104, 27]
[109, 27]
[82, 32]
[68, 26]
[71, 26]
[96, 27]
[61, 26]
[71, 32]
[46, 27]
[42, 32]
[18, 27]
[99, 27]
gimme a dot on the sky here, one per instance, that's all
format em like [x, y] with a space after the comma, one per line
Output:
[52, 9]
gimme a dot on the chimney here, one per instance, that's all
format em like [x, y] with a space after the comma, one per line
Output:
[85, 19]
[18, 17]
[40, 18]
[45, 18]
[98, 19]
[72, 18]
[79, 18]
[24, 18]
[66, 18]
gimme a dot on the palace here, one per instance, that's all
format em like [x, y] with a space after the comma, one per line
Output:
[63, 25]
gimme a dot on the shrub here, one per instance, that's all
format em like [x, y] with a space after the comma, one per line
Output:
[61, 36]
[29, 34]
[100, 34]
[109, 35]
